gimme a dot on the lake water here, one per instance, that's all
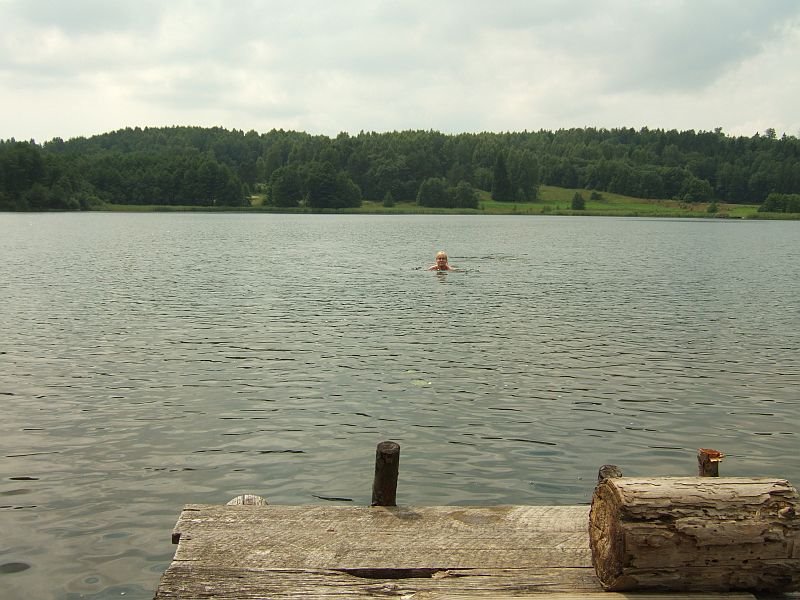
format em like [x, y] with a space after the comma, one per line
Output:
[153, 360]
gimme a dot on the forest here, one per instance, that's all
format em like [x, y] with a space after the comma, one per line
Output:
[291, 170]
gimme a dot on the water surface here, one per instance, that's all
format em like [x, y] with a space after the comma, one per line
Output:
[153, 360]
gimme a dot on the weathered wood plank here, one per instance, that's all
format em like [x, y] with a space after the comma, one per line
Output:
[189, 581]
[314, 537]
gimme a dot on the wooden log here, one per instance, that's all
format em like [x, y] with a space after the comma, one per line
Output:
[696, 534]
[387, 464]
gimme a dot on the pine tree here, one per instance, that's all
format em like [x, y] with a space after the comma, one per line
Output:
[502, 190]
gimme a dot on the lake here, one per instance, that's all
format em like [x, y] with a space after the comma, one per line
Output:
[153, 360]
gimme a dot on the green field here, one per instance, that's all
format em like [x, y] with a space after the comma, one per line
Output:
[557, 201]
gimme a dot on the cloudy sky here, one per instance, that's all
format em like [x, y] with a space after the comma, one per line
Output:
[81, 67]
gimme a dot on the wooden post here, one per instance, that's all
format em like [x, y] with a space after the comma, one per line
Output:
[708, 462]
[384, 486]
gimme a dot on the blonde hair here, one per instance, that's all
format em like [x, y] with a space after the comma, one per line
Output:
[441, 253]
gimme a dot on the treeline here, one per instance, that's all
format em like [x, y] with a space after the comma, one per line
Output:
[58, 176]
[217, 167]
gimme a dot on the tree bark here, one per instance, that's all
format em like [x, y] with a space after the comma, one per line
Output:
[696, 534]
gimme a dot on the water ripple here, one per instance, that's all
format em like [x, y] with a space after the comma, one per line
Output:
[150, 361]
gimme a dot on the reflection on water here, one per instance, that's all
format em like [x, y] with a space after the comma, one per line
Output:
[154, 360]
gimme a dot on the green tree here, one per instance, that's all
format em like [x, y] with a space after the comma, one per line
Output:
[21, 166]
[578, 202]
[275, 156]
[523, 173]
[328, 189]
[321, 185]
[348, 194]
[697, 190]
[433, 192]
[502, 190]
[37, 197]
[464, 195]
[285, 187]
[385, 174]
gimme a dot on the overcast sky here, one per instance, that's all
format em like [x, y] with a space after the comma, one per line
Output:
[81, 67]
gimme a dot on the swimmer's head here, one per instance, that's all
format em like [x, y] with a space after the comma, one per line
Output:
[441, 257]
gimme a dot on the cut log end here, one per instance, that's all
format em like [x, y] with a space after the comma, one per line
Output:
[605, 539]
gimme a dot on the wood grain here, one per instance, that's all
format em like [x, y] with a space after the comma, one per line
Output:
[323, 551]
[696, 533]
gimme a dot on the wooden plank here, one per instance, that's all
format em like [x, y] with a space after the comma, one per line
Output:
[188, 581]
[438, 538]
[184, 580]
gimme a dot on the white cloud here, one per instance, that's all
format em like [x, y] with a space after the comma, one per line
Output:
[83, 67]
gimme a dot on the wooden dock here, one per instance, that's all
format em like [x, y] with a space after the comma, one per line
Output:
[419, 553]
[248, 549]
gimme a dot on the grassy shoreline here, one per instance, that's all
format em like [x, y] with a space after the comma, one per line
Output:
[552, 201]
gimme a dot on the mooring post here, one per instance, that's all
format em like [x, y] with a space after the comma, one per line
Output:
[708, 462]
[387, 463]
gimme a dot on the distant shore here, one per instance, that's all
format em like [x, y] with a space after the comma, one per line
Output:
[552, 201]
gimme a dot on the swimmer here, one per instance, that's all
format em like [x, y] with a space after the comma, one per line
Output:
[441, 263]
